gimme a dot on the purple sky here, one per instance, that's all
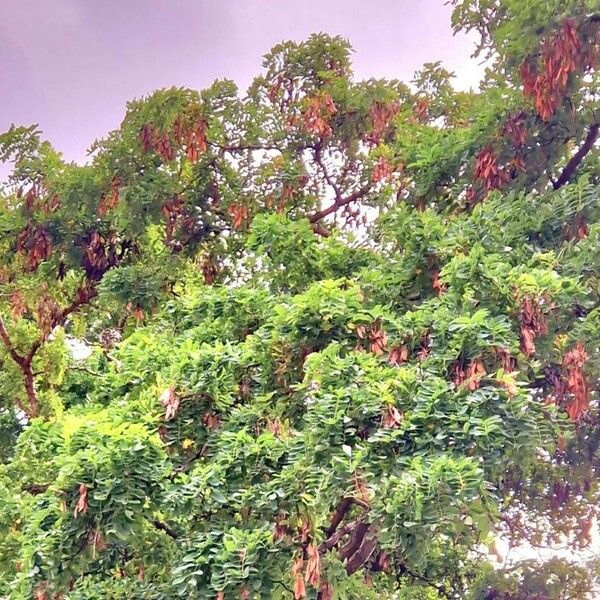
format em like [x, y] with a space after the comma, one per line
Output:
[70, 65]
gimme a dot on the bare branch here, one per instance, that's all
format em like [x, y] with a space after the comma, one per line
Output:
[8, 344]
[83, 296]
[357, 195]
[571, 167]
[326, 174]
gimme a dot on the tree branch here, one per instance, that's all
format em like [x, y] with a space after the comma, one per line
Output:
[320, 230]
[8, 344]
[326, 174]
[32, 399]
[357, 195]
[24, 363]
[243, 147]
[571, 167]
[164, 527]
[83, 295]
[185, 467]
[84, 370]
[439, 588]
[36, 488]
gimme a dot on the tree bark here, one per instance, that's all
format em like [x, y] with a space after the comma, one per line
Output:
[571, 167]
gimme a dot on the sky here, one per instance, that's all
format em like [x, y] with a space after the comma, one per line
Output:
[71, 65]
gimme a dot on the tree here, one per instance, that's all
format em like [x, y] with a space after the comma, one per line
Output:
[342, 333]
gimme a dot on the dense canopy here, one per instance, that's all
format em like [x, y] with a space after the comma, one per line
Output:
[327, 339]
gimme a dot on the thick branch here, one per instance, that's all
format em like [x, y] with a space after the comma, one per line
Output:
[164, 527]
[8, 344]
[29, 380]
[571, 167]
[339, 202]
[319, 229]
[24, 363]
[36, 488]
[83, 296]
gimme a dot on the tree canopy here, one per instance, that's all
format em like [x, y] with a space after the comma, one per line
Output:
[326, 339]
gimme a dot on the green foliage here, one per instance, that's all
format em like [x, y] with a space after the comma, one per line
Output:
[555, 579]
[324, 341]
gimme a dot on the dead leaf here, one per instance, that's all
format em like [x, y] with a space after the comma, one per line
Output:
[398, 355]
[170, 400]
[391, 417]
[313, 565]
[82, 503]
[299, 586]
